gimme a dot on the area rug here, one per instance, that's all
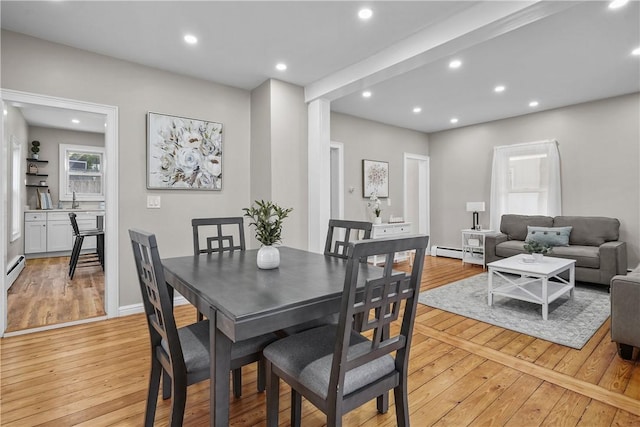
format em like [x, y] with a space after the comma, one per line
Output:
[571, 322]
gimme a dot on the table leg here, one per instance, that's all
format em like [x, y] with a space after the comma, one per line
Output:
[490, 296]
[572, 279]
[545, 299]
[220, 348]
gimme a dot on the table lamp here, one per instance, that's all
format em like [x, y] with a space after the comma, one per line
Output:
[475, 207]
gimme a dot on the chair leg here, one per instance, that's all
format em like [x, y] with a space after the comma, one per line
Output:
[296, 408]
[382, 403]
[262, 375]
[273, 396]
[75, 255]
[402, 404]
[166, 385]
[178, 403]
[236, 374]
[199, 317]
[152, 396]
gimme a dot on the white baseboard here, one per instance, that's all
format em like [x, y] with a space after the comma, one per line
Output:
[128, 310]
[446, 252]
[13, 270]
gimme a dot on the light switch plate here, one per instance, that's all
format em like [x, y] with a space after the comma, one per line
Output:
[153, 202]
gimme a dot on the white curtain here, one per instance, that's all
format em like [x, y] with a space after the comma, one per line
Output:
[525, 179]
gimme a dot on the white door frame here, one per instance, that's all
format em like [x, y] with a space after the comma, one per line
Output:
[424, 222]
[338, 147]
[111, 196]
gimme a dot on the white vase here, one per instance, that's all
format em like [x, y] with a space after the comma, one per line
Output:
[268, 257]
[377, 220]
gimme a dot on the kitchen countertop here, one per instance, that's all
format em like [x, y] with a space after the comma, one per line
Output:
[66, 210]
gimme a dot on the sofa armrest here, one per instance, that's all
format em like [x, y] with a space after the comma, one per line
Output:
[613, 260]
[490, 243]
[625, 309]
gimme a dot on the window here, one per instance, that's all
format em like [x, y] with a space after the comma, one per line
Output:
[525, 180]
[16, 189]
[82, 172]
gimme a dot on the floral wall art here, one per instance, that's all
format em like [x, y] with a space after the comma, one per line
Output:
[183, 153]
[375, 178]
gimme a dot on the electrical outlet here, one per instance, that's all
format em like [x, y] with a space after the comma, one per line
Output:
[153, 202]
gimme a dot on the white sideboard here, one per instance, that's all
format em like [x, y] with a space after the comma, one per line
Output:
[388, 230]
[50, 232]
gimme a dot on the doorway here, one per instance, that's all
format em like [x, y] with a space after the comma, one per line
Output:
[110, 115]
[416, 192]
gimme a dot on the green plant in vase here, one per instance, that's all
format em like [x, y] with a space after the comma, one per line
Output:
[267, 218]
[536, 249]
[35, 149]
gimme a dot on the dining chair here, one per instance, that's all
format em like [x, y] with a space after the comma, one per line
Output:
[77, 258]
[219, 242]
[337, 368]
[181, 355]
[341, 232]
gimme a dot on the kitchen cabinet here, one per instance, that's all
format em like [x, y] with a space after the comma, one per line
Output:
[51, 232]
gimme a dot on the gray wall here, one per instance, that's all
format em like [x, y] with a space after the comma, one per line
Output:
[14, 124]
[50, 140]
[37, 66]
[364, 139]
[599, 145]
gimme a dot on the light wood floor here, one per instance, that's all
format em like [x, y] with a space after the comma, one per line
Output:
[462, 372]
[44, 295]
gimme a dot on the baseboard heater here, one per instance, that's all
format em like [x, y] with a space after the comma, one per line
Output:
[446, 252]
[14, 270]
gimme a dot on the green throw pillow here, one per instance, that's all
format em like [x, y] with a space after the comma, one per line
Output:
[550, 236]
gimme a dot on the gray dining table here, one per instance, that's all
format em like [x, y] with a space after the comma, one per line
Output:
[243, 301]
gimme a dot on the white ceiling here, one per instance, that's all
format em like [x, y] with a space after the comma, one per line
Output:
[559, 53]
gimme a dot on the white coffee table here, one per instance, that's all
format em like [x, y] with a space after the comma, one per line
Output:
[533, 283]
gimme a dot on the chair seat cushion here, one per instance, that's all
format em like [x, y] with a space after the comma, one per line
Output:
[194, 340]
[307, 357]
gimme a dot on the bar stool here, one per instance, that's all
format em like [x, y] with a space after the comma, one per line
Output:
[87, 259]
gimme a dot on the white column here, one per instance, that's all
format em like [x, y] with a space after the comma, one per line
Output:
[319, 172]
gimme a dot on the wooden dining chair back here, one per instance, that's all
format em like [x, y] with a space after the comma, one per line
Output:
[341, 232]
[223, 239]
[183, 355]
[78, 259]
[337, 368]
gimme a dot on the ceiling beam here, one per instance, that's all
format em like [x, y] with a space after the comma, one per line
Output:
[476, 24]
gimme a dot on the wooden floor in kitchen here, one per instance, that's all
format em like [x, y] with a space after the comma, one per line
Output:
[462, 372]
[43, 294]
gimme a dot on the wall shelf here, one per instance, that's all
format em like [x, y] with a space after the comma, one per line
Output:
[38, 174]
[37, 185]
[37, 160]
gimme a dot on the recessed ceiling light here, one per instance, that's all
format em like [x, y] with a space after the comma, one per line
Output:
[366, 94]
[533, 104]
[456, 63]
[76, 121]
[616, 4]
[281, 66]
[365, 13]
[417, 110]
[454, 120]
[191, 39]
[499, 89]
[636, 51]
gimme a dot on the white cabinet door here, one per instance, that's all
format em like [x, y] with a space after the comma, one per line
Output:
[35, 237]
[59, 236]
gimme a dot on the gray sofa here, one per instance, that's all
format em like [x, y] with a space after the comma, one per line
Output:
[625, 312]
[593, 243]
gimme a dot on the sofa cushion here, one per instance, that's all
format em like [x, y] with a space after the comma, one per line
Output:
[515, 226]
[585, 256]
[589, 230]
[550, 236]
[510, 248]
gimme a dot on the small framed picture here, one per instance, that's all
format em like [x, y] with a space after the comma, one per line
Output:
[375, 178]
